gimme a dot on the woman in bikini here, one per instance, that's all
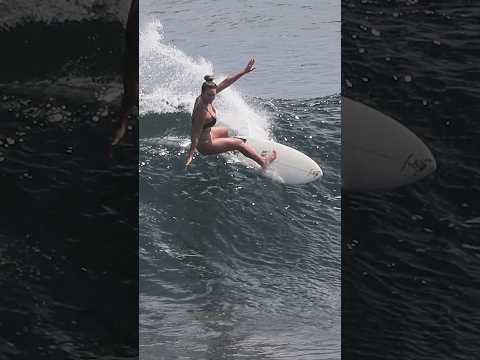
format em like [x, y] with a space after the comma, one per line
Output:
[209, 139]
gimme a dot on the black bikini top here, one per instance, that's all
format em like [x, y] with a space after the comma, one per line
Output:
[211, 123]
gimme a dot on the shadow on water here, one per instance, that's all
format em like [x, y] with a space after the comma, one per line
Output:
[69, 221]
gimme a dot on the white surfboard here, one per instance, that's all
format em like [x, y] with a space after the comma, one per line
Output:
[378, 152]
[291, 166]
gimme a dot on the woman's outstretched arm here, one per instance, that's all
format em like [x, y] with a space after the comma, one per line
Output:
[197, 127]
[232, 78]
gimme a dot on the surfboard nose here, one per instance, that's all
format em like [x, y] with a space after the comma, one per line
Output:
[317, 172]
[378, 152]
[419, 164]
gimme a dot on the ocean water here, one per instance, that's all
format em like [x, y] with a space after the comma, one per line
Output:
[233, 264]
[296, 43]
[411, 264]
[68, 249]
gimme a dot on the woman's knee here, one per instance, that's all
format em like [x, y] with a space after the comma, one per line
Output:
[239, 144]
[221, 132]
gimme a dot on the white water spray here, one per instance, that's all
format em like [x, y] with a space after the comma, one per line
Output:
[171, 80]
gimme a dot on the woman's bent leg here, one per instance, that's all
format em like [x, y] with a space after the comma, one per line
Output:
[221, 145]
[219, 132]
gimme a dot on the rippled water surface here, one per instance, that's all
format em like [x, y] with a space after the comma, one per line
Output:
[296, 43]
[411, 283]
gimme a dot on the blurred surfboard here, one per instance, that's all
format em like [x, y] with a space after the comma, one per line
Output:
[378, 152]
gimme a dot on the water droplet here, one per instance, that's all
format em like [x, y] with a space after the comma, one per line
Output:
[348, 83]
[56, 117]
[361, 50]
[375, 32]
[408, 78]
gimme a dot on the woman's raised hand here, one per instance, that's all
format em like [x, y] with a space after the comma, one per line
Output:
[250, 66]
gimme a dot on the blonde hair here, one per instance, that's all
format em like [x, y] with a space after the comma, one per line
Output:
[208, 84]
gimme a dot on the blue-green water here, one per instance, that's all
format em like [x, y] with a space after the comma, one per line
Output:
[232, 264]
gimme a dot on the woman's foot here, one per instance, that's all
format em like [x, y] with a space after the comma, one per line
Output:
[267, 160]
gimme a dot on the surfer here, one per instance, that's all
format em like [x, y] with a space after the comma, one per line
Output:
[209, 139]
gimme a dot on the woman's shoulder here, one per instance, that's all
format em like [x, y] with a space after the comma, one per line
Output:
[200, 112]
[197, 104]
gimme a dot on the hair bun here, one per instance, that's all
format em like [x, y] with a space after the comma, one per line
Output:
[208, 78]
